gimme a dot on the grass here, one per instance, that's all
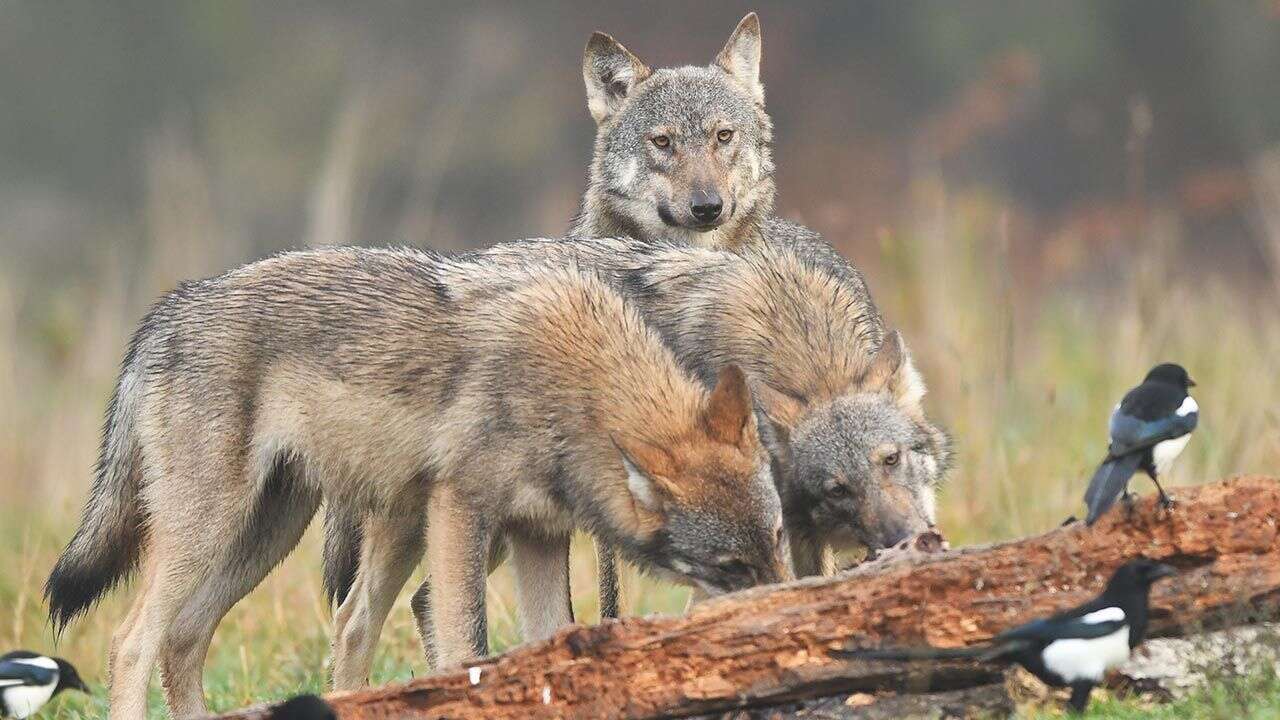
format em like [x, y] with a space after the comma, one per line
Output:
[1254, 697]
[1023, 372]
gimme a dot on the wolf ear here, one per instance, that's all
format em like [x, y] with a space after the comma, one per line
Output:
[610, 72]
[892, 371]
[646, 465]
[729, 408]
[741, 56]
[780, 413]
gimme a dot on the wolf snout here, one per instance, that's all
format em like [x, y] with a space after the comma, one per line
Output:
[706, 206]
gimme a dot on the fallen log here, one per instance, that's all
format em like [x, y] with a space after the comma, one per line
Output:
[768, 646]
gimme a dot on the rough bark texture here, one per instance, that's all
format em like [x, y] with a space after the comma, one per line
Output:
[768, 647]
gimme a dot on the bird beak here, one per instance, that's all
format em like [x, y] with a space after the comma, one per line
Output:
[1191, 383]
[1162, 571]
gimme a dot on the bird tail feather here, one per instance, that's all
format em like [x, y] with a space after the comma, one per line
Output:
[1109, 483]
[907, 654]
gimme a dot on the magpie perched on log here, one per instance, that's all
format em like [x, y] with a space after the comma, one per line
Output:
[1149, 429]
[1072, 649]
[28, 681]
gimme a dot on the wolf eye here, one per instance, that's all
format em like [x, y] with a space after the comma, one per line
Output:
[892, 458]
[838, 490]
[660, 141]
[725, 135]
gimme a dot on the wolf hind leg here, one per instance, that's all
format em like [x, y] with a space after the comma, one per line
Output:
[391, 549]
[186, 532]
[283, 509]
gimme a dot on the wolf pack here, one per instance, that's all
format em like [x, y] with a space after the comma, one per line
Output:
[705, 389]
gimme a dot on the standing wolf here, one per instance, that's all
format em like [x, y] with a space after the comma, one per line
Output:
[680, 153]
[527, 408]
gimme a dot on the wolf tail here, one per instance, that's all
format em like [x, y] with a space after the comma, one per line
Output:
[343, 536]
[1109, 483]
[106, 547]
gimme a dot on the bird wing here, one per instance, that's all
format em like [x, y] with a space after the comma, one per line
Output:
[16, 672]
[1062, 628]
[1130, 432]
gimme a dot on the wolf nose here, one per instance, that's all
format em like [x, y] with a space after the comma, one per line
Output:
[705, 206]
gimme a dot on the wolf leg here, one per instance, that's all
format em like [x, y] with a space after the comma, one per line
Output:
[811, 556]
[608, 581]
[282, 512]
[458, 543]
[181, 550]
[391, 548]
[420, 603]
[542, 582]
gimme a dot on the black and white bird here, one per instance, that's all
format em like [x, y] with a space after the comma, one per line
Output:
[1072, 649]
[1149, 429]
[28, 681]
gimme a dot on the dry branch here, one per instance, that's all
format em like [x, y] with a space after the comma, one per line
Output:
[769, 646]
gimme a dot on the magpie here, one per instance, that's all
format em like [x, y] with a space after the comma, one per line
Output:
[28, 681]
[302, 707]
[1149, 429]
[1072, 649]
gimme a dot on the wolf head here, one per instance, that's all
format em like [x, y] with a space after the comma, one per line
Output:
[680, 153]
[707, 503]
[862, 468]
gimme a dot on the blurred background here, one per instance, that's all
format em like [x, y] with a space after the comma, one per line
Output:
[1048, 198]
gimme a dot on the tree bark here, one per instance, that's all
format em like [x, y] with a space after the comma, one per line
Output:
[769, 646]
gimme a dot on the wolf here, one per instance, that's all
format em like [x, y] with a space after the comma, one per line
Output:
[658, 156]
[837, 396]
[528, 407]
[680, 153]
[836, 390]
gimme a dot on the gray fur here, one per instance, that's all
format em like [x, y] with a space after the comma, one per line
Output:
[639, 190]
[835, 391]
[379, 382]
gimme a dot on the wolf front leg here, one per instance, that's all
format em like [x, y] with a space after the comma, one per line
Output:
[608, 581]
[458, 544]
[811, 555]
[542, 582]
[420, 603]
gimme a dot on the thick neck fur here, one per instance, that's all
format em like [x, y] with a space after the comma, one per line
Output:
[603, 380]
[745, 310]
[605, 371]
[605, 215]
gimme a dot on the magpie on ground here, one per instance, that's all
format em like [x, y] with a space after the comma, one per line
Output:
[1149, 429]
[302, 707]
[28, 681]
[1072, 649]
